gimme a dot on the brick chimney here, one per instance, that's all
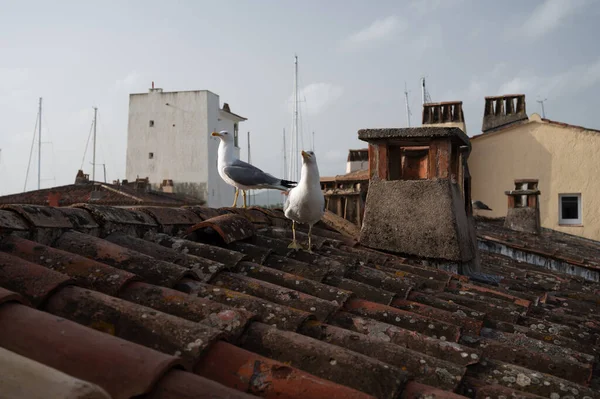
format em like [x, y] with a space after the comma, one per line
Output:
[357, 160]
[445, 114]
[418, 201]
[167, 186]
[524, 207]
[226, 108]
[82, 178]
[501, 111]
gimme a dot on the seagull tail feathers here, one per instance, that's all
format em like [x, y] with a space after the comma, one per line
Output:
[288, 183]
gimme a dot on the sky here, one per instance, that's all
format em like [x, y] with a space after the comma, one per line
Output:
[355, 58]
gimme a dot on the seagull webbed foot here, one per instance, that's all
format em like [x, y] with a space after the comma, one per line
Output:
[294, 245]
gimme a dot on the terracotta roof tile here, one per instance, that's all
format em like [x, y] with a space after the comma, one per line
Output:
[423, 368]
[231, 322]
[415, 390]
[9, 296]
[268, 312]
[229, 227]
[18, 372]
[203, 268]
[33, 282]
[344, 321]
[320, 308]
[261, 376]
[511, 376]
[445, 350]
[134, 322]
[84, 272]
[152, 270]
[179, 384]
[127, 369]
[404, 319]
[326, 360]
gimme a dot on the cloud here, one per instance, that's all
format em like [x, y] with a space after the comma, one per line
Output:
[569, 82]
[316, 97]
[429, 6]
[550, 15]
[378, 30]
[128, 82]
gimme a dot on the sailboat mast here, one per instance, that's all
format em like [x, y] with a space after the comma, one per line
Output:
[94, 155]
[40, 146]
[295, 154]
[284, 156]
[407, 106]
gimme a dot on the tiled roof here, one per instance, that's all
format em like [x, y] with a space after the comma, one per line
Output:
[185, 302]
[357, 175]
[104, 194]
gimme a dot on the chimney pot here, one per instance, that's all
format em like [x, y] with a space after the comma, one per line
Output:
[524, 207]
[444, 114]
[419, 168]
[500, 111]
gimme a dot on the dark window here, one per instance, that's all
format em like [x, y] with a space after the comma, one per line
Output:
[235, 134]
[151, 124]
[570, 209]
[150, 155]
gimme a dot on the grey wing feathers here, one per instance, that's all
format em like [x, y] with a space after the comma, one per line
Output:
[249, 175]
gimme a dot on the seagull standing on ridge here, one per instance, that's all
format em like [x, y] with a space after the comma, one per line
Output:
[305, 203]
[242, 175]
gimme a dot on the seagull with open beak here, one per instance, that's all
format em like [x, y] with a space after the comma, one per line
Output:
[305, 203]
[242, 175]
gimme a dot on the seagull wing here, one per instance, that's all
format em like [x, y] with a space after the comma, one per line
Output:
[249, 175]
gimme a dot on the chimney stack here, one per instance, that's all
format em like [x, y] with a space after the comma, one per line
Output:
[445, 114]
[226, 108]
[357, 160]
[501, 111]
[167, 186]
[417, 203]
[82, 178]
[524, 207]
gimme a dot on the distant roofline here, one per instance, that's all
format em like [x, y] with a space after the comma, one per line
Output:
[241, 118]
[535, 117]
[175, 91]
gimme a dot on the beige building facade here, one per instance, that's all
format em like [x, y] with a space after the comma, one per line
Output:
[564, 158]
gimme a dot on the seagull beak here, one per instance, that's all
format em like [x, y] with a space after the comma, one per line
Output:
[305, 155]
[216, 134]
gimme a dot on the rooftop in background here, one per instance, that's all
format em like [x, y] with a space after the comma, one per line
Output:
[119, 193]
[191, 300]
[417, 133]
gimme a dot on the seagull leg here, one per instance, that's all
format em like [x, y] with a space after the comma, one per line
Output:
[294, 244]
[244, 197]
[309, 239]
[237, 192]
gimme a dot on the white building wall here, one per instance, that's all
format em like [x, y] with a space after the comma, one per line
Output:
[180, 141]
[356, 165]
[219, 193]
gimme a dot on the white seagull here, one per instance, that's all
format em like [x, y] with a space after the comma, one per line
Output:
[305, 203]
[242, 175]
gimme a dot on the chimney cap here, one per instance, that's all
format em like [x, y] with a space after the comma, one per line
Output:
[443, 103]
[425, 132]
[504, 96]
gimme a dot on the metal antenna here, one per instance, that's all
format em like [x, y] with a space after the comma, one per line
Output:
[94, 155]
[407, 106]
[40, 146]
[284, 156]
[425, 97]
[542, 104]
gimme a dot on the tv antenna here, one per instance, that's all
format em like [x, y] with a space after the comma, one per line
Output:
[542, 104]
[408, 113]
